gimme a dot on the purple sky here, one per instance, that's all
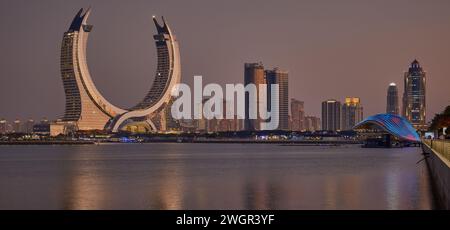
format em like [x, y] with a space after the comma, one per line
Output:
[331, 49]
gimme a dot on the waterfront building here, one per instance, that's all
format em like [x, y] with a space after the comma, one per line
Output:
[331, 115]
[387, 129]
[17, 126]
[297, 115]
[312, 123]
[352, 113]
[168, 74]
[29, 126]
[87, 109]
[414, 106]
[85, 106]
[392, 106]
[253, 74]
[3, 126]
[277, 76]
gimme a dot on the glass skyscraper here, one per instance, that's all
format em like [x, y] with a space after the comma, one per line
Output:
[331, 115]
[414, 106]
[279, 77]
[352, 113]
[392, 100]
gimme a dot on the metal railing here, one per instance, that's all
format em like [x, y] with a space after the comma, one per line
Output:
[440, 146]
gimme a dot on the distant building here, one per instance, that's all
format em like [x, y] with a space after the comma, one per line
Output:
[414, 106]
[17, 126]
[312, 123]
[29, 126]
[3, 126]
[297, 115]
[279, 77]
[218, 125]
[41, 128]
[44, 120]
[352, 113]
[331, 115]
[392, 100]
[253, 74]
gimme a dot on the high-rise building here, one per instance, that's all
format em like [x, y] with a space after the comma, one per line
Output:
[352, 113]
[312, 123]
[168, 75]
[253, 74]
[17, 126]
[87, 109]
[392, 99]
[29, 126]
[3, 126]
[331, 115]
[414, 106]
[85, 106]
[277, 76]
[297, 115]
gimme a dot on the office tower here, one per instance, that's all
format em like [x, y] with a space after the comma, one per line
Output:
[297, 115]
[17, 126]
[331, 115]
[3, 126]
[253, 74]
[392, 99]
[279, 77]
[414, 106]
[312, 123]
[352, 113]
[29, 126]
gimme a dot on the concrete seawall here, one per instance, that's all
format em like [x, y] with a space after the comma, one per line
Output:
[440, 174]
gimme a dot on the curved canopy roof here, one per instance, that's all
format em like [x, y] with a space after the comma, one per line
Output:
[393, 124]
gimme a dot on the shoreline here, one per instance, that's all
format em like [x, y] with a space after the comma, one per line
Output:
[279, 142]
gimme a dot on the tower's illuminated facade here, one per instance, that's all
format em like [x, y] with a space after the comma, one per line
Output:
[414, 106]
[150, 111]
[352, 113]
[87, 109]
[392, 100]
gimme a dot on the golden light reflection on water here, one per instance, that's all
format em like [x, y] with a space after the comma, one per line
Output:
[176, 181]
[84, 188]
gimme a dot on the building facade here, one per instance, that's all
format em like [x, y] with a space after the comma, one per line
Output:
[331, 115]
[3, 126]
[253, 74]
[17, 126]
[85, 106]
[312, 123]
[277, 76]
[414, 106]
[352, 113]
[392, 106]
[297, 115]
[87, 109]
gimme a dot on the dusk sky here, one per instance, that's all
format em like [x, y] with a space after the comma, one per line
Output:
[332, 49]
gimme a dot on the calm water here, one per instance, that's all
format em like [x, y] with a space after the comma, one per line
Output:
[212, 176]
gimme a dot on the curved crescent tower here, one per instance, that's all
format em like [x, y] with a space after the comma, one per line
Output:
[86, 108]
[168, 74]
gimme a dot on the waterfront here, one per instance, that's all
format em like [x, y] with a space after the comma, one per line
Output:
[212, 176]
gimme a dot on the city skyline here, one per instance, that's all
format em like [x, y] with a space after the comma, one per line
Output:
[38, 93]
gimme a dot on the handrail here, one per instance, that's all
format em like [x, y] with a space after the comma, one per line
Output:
[442, 147]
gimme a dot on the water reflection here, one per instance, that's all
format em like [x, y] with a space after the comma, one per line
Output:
[196, 176]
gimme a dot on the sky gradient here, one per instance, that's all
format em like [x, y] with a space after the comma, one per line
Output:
[332, 49]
